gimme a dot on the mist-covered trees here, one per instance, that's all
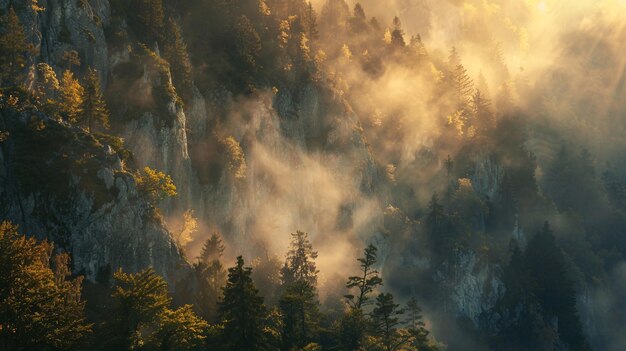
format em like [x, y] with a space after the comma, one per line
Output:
[211, 277]
[365, 283]
[298, 303]
[40, 305]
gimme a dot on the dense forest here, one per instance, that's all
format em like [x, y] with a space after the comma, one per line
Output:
[312, 175]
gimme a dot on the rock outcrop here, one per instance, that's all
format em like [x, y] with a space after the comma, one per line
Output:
[61, 184]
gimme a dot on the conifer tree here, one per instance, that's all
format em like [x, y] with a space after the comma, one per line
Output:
[300, 263]
[242, 311]
[462, 85]
[175, 51]
[13, 48]
[149, 18]
[481, 111]
[298, 302]
[417, 328]
[397, 34]
[553, 287]
[309, 22]
[211, 277]
[367, 281]
[47, 89]
[386, 320]
[94, 109]
[70, 98]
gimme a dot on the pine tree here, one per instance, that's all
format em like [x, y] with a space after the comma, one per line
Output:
[242, 311]
[462, 85]
[70, 98]
[309, 22]
[149, 19]
[481, 111]
[417, 328]
[175, 52]
[397, 34]
[386, 320]
[553, 287]
[211, 277]
[300, 263]
[47, 89]
[94, 109]
[40, 307]
[13, 48]
[365, 283]
[298, 302]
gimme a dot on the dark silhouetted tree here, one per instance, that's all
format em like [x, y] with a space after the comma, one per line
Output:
[242, 311]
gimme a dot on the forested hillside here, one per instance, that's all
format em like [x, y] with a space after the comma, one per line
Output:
[312, 175]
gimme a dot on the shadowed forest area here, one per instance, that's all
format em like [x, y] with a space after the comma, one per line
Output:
[312, 175]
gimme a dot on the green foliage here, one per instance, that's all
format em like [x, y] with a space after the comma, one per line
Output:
[417, 328]
[13, 49]
[298, 302]
[140, 316]
[94, 109]
[39, 305]
[300, 311]
[386, 320]
[117, 144]
[148, 19]
[353, 328]
[300, 264]
[242, 311]
[175, 52]
[554, 288]
[211, 277]
[155, 185]
[248, 42]
[365, 283]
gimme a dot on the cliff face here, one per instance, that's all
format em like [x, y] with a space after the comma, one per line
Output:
[62, 185]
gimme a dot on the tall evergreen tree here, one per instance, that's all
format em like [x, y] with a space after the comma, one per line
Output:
[211, 277]
[417, 328]
[13, 48]
[175, 52]
[386, 320]
[554, 288]
[298, 302]
[397, 34]
[300, 263]
[242, 311]
[367, 281]
[94, 109]
[70, 98]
